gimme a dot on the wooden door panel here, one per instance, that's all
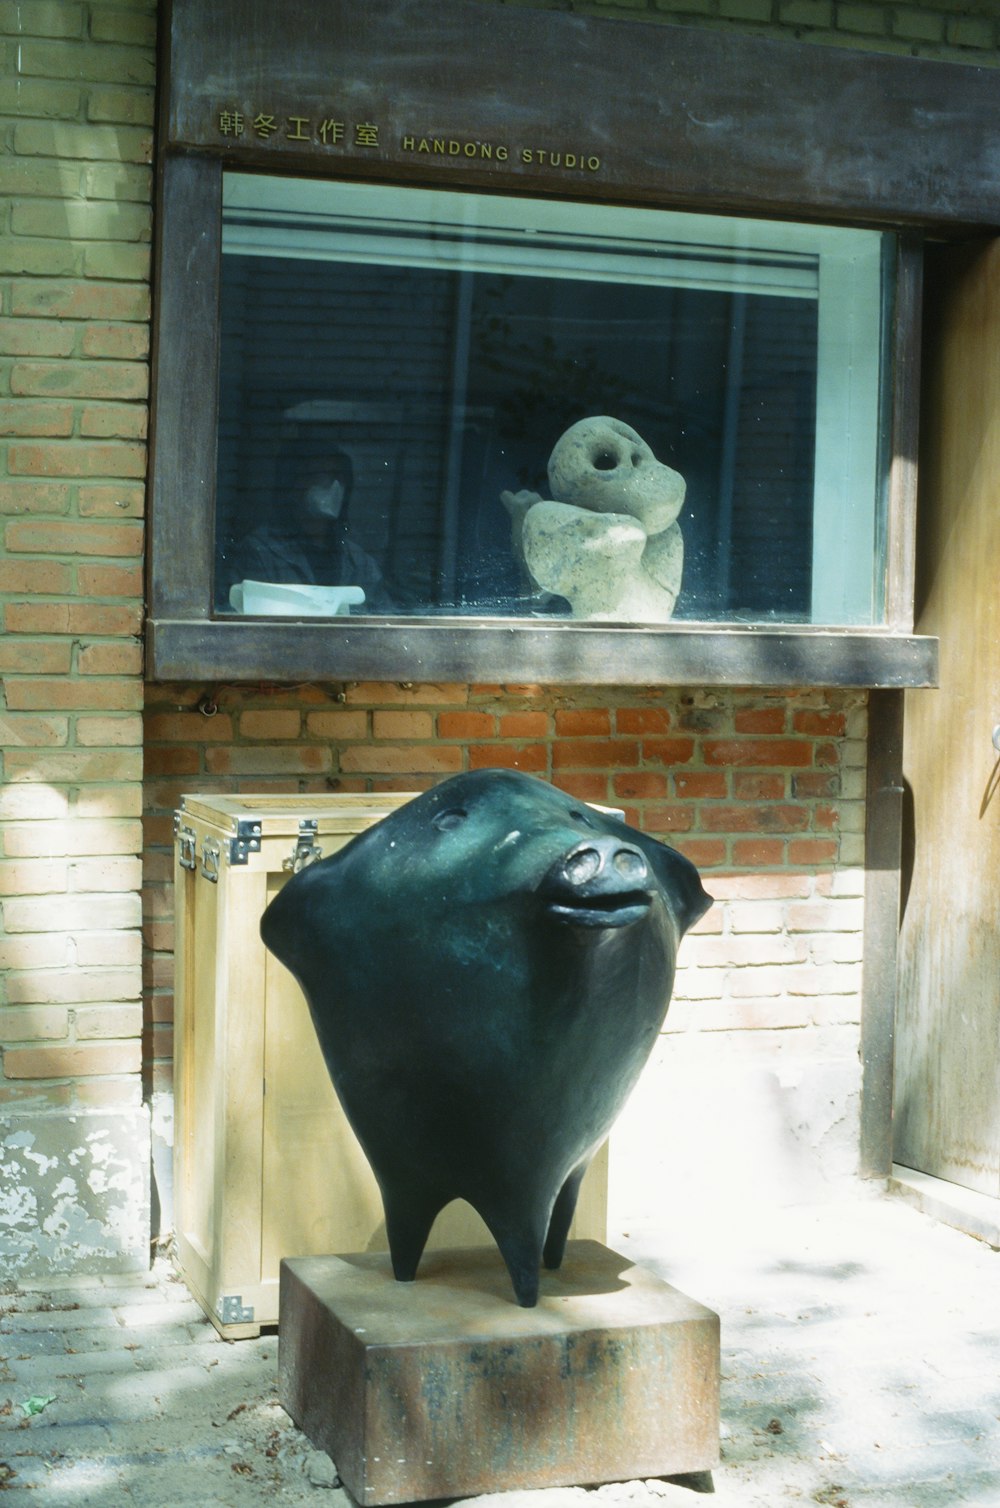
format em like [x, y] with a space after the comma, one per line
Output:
[947, 1098]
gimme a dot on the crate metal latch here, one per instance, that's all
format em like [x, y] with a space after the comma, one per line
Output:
[187, 848]
[210, 855]
[306, 850]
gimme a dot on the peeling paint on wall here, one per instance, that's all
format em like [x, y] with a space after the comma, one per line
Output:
[74, 1196]
[162, 1128]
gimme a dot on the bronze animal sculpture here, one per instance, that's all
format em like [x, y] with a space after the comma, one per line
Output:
[487, 970]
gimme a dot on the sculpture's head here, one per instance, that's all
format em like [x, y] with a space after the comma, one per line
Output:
[479, 866]
[602, 464]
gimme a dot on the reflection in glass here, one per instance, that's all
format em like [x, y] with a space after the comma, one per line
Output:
[393, 360]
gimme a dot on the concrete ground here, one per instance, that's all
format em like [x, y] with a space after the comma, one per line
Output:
[860, 1360]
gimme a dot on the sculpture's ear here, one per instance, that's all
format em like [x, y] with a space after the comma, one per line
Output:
[304, 910]
[679, 880]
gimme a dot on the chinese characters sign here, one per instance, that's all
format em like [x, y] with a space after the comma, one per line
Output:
[250, 126]
[264, 125]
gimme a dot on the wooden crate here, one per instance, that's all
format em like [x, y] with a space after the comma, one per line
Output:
[265, 1164]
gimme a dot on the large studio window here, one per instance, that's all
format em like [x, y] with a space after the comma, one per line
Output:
[397, 366]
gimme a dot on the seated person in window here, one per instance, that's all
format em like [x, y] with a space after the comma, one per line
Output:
[307, 539]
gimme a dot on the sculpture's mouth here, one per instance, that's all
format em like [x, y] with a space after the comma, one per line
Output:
[603, 881]
[619, 909]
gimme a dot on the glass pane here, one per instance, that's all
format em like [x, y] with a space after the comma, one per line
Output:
[399, 368]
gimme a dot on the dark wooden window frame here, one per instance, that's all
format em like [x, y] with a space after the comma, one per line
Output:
[861, 157]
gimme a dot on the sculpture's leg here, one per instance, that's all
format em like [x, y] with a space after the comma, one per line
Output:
[520, 1239]
[408, 1221]
[562, 1218]
[523, 1256]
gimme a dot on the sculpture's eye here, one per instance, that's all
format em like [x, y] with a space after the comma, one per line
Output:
[605, 460]
[453, 817]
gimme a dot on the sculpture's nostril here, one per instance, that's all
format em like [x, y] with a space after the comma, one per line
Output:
[582, 865]
[630, 865]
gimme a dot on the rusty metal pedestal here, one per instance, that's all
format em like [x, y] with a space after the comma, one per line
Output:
[445, 1388]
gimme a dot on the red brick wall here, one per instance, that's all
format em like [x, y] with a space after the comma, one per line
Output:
[763, 790]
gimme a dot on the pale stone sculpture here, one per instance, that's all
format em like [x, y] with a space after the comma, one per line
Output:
[608, 541]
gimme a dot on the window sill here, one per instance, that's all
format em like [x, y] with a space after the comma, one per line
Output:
[507, 651]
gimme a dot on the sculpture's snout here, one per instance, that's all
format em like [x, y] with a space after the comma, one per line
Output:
[602, 864]
[600, 882]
